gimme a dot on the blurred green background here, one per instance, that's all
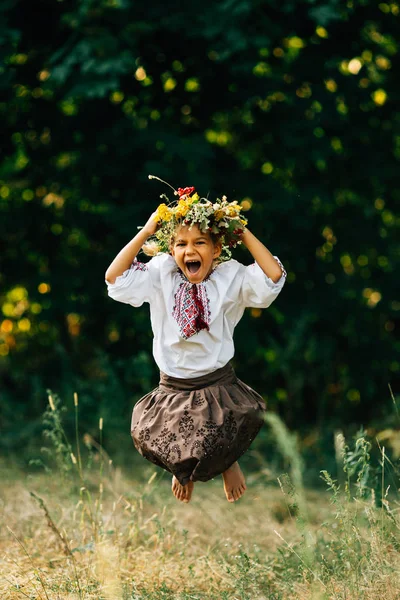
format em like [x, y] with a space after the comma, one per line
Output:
[291, 108]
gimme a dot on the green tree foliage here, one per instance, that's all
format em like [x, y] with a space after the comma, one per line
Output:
[290, 108]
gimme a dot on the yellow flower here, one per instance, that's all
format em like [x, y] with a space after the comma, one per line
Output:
[234, 209]
[163, 213]
[182, 208]
[219, 214]
[194, 197]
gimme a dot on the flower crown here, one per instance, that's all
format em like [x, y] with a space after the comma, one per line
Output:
[222, 219]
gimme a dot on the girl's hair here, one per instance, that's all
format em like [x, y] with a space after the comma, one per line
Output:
[152, 248]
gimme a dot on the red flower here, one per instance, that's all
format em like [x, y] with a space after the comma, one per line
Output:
[185, 191]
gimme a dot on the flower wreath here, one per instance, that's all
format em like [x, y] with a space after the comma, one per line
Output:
[223, 219]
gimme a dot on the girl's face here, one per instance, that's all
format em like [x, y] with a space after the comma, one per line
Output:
[194, 253]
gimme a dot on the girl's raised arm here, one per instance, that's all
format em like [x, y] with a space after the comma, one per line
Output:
[262, 256]
[126, 256]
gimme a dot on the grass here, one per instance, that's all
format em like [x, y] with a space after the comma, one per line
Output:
[88, 530]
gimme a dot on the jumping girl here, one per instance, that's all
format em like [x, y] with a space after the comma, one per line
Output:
[201, 418]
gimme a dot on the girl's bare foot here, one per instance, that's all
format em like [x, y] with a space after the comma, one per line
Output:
[234, 484]
[182, 492]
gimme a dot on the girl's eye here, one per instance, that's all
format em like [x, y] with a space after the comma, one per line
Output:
[200, 242]
[180, 244]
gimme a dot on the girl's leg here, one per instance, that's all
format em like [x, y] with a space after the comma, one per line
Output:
[182, 492]
[234, 484]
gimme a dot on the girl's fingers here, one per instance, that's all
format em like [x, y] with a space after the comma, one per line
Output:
[152, 225]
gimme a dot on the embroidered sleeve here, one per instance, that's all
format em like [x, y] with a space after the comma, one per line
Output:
[284, 274]
[258, 290]
[139, 266]
[136, 285]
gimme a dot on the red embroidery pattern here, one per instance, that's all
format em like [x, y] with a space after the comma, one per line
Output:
[191, 310]
[138, 266]
[281, 266]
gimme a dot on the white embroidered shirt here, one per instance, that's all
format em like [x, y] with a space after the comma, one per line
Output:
[178, 349]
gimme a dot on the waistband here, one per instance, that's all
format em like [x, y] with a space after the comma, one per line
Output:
[223, 376]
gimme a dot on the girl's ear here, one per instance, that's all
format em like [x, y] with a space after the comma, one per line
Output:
[171, 249]
[217, 249]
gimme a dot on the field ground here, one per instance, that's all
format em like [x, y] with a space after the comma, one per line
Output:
[115, 536]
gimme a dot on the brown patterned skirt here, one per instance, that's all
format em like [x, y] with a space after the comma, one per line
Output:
[197, 428]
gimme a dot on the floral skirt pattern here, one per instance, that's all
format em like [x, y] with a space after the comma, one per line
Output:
[197, 428]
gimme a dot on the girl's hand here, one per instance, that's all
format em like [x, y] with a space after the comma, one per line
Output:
[151, 226]
[262, 256]
[124, 258]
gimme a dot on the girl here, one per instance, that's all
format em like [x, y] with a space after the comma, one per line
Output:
[201, 418]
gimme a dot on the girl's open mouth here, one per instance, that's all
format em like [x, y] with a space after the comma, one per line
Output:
[193, 266]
